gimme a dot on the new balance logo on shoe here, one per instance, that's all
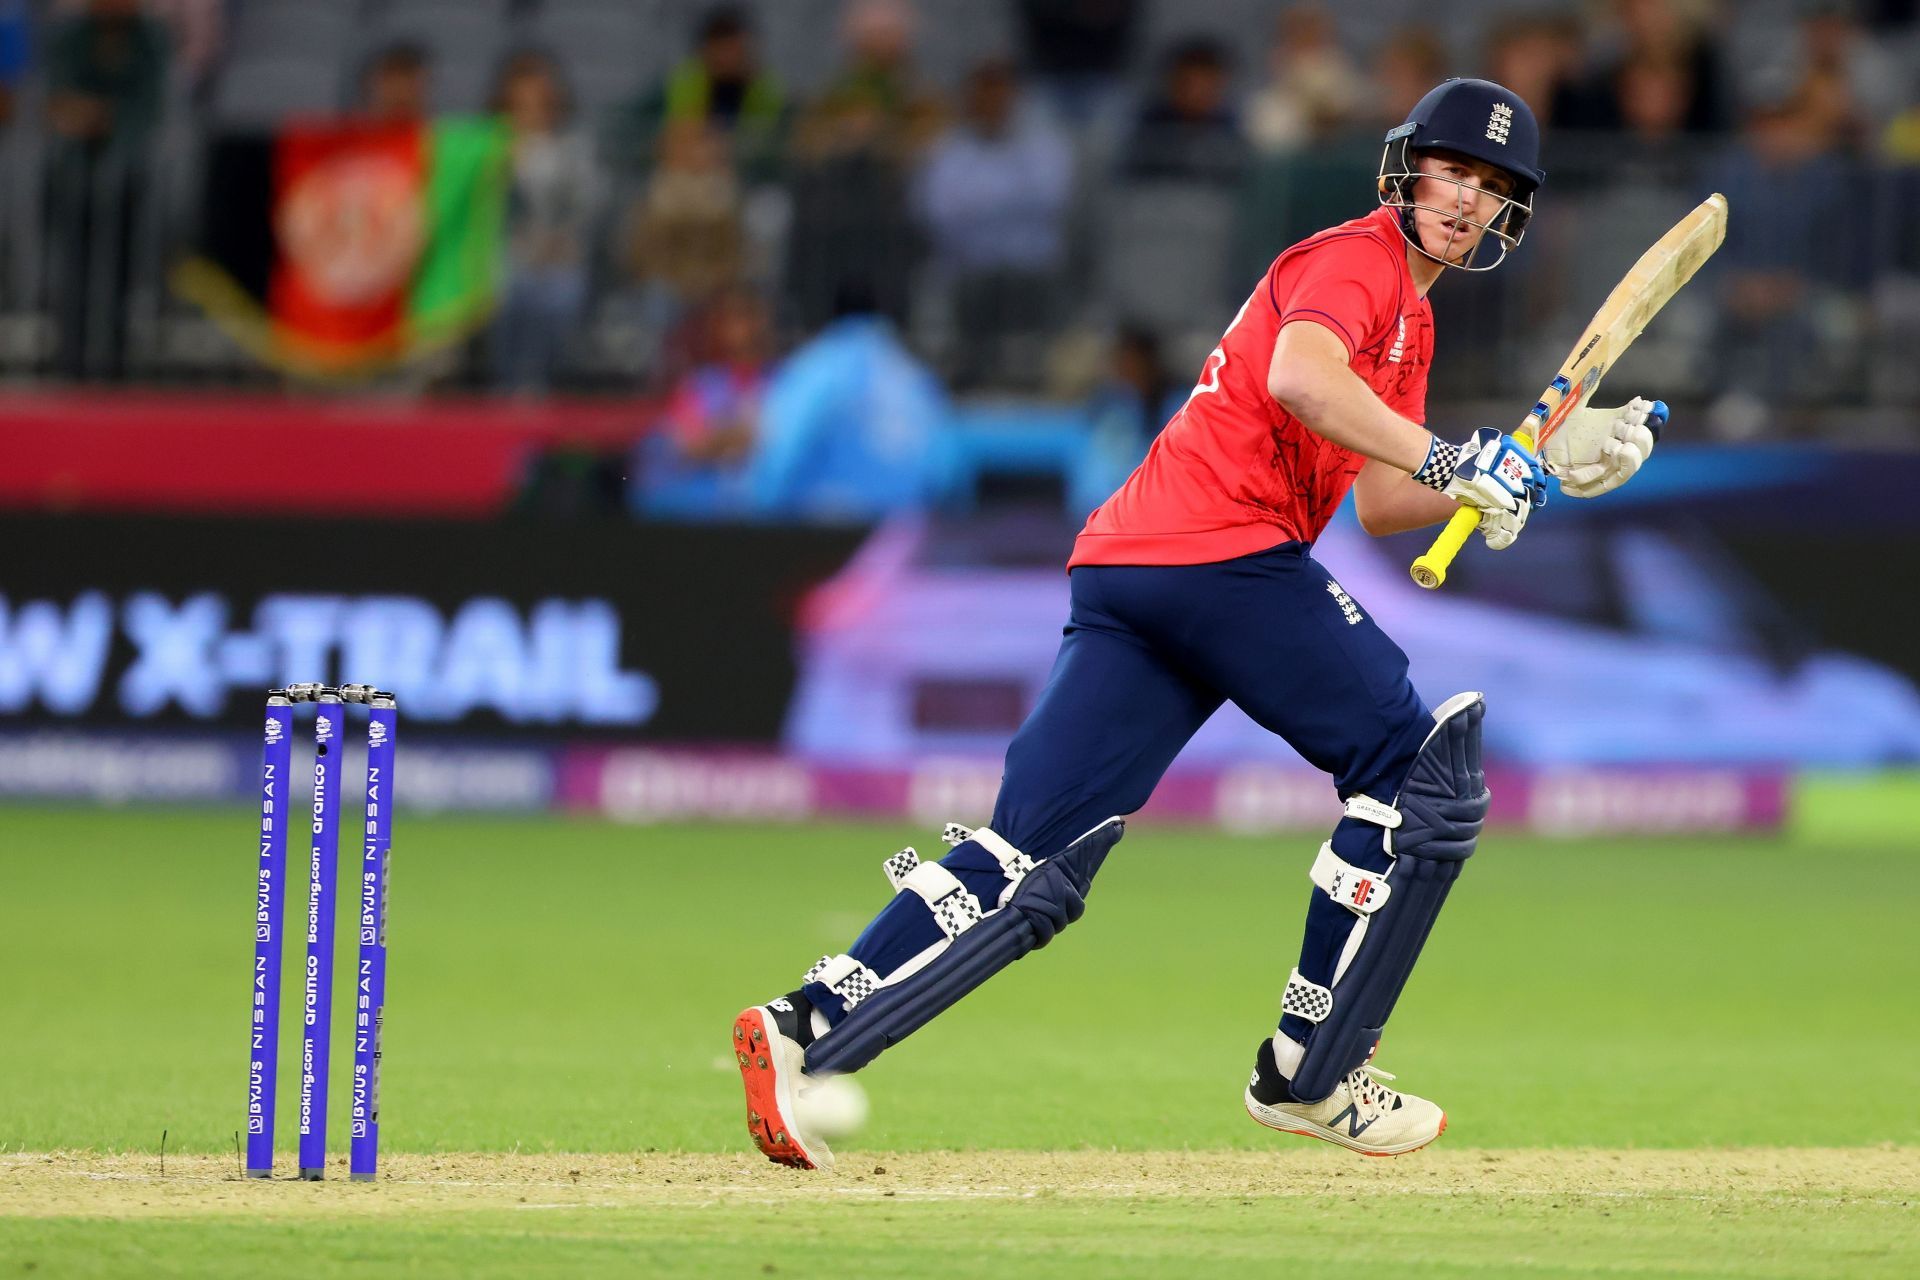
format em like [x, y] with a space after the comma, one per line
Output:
[1355, 1125]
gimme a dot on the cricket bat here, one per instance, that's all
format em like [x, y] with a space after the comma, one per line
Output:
[1636, 300]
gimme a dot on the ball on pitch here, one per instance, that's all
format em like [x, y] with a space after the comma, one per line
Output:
[835, 1107]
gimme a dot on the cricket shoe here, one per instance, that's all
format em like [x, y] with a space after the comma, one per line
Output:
[769, 1042]
[1361, 1114]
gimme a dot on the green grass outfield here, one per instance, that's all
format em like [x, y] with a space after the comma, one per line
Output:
[1633, 1039]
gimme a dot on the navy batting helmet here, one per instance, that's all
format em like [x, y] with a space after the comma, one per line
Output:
[1478, 119]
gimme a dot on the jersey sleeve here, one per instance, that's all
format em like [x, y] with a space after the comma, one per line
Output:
[1349, 285]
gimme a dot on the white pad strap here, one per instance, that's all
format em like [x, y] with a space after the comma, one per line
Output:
[898, 867]
[845, 977]
[1013, 863]
[956, 834]
[1307, 999]
[954, 909]
[1352, 887]
[1367, 809]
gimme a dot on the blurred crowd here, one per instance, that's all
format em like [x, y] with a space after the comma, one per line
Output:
[1056, 198]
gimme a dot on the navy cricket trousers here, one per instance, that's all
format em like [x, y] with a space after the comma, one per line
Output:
[1150, 652]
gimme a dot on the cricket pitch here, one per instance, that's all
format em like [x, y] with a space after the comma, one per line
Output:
[1450, 1211]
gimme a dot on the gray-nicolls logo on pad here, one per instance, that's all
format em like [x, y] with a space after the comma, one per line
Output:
[1500, 122]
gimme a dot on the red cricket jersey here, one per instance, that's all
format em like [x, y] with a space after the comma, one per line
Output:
[1234, 473]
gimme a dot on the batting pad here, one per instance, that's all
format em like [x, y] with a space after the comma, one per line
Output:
[1045, 900]
[1431, 831]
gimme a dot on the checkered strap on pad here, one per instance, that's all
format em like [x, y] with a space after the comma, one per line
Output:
[1309, 1000]
[845, 977]
[1352, 887]
[899, 866]
[954, 909]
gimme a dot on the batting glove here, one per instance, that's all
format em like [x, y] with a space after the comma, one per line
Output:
[1493, 474]
[1595, 451]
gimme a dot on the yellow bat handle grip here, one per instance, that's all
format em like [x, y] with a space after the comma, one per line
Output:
[1430, 570]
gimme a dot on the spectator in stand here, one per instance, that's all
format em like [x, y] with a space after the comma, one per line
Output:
[993, 198]
[1079, 50]
[723, 85]
[106, 70]
[15, 54]
[715, 409]
[1538, 57]
[1826, 95]
[855, 147]
[1900, 142]
[686, 241]
[696, 462]
[1793, 264]
[1655, 31]
[1653, 150]
[1313, 92]
[1896, 288]
[853, 425]
[107, 67]
[1139, 389]
[199, 30]
[1136, 396]
[878, 97]
[1189, 131]
[393, 89]
[1315, 130]
[1861, 84]
[551, 203]
[1410, 62]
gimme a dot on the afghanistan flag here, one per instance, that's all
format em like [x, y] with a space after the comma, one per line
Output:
[341, 247]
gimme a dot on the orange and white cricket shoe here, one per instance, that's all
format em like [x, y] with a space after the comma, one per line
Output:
[772, 1058]
[1362, 1114]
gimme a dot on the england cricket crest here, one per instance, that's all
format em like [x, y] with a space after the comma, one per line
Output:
[1348, 609]
[1500, 122]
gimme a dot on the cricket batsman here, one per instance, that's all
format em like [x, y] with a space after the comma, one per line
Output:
[1195, 584]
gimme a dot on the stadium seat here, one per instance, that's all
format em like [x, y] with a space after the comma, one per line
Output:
[285, 28]
[257, 92]
[494, 12]
[799, 40]
[1243, 27]
[602, 46]
[444, 31]
[1168, 244]
[954, 35]
[465, 84]
[601, 83]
